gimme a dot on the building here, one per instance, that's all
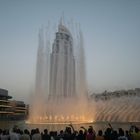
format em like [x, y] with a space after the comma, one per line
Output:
[62, 65]
[11, 109]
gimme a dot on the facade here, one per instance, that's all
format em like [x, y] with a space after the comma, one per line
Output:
[62, 65]
[11, 109]
[5, 106]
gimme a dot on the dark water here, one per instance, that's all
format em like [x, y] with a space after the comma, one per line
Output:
[57, 127]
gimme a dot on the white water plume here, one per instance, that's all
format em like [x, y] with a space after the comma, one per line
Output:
[61, 90]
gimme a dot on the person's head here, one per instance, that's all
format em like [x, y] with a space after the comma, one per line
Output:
[37, 130]
[100, 132]
[68, 130]
[26, 131]
[80, 132]
[18, 131]
[115, 133]
[15, 130]
[61, 132]
[90, 130]
[136, 130]
[121, 132]
[45, 131]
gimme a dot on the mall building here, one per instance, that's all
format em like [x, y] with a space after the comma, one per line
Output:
[11, 109]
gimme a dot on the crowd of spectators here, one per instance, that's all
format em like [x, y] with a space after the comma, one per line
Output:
[71, 134]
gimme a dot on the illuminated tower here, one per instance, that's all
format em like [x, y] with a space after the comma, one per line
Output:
[62, 65]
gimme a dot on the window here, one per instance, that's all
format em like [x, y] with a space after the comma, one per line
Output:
[67, 37]
[57, 48]
[58, 35]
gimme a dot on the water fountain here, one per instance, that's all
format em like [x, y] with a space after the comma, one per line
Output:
[60, 92]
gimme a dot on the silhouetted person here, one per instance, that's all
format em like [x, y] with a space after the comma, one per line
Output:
[81, 135]
[45, 135]
[68, 135]
[121, 135]
[36, 135]
[136, 134]
[128, 135]
[5, 135]
[61, 135]
[90, 134]
[25, 135]
[114, 135]
[100, 135]
[108, 134]
[13, 134]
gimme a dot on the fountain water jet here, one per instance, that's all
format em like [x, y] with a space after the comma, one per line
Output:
[60, 92]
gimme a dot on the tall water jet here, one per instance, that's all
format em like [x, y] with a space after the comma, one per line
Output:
[60, 91]
[62, 66]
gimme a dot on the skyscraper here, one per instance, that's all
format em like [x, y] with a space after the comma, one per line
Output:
[60, 78]
[62, 65]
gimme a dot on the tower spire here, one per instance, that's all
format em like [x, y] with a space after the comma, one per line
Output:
[61, 22]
